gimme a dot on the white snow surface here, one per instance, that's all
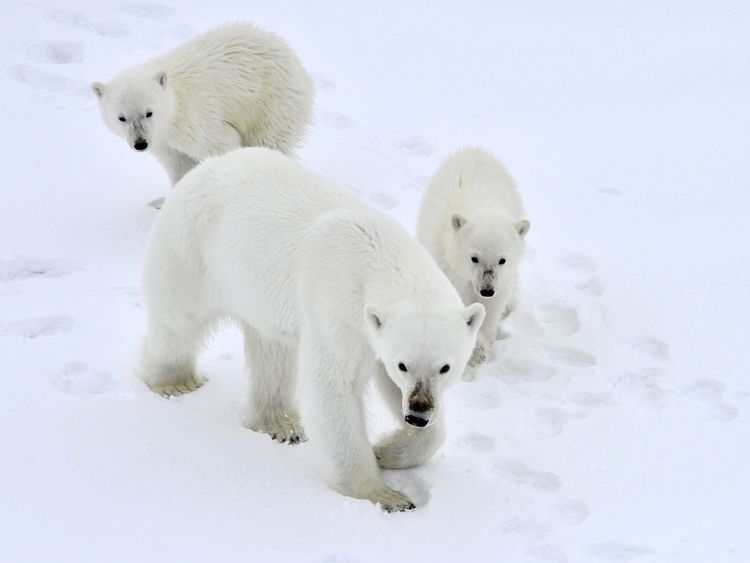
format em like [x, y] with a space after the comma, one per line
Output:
[612, 425]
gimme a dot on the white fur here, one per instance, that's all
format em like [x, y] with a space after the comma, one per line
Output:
[312, 273]
[471, 209]
[233, 86]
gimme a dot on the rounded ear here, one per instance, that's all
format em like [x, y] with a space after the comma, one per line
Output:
[98, 89]
[161, 78]
[373, 317]
[474, 316]
[523, 227]
[457, 221]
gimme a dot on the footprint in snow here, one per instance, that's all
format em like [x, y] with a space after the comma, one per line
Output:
[475, 443]
[76, 379]
[651, 348]
[558, 319]
[616, 551]
[524, 369]
[146, 10]
[580, 269]
[587, 399]
[77, 20]
[569, 512]
[335, 120]
[572, 357]
[515, 471]
[547, 421]
[416, 146]
[55, 52]
[38, 327]
[609, 191]
[641, 389]
[517, 526]
[45, 80]
[707, 394]
[28, 267]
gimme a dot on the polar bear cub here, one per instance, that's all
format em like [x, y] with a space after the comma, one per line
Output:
[233, 86]
[472, 221]
[329, 293]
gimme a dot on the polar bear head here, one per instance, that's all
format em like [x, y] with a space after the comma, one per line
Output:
[424, 348]
[484, 248]
[137, 106]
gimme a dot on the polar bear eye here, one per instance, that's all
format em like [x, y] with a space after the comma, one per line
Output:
[502, 261]
[401, 366]
[122, 118]
[149, 113]
[445, 368]
[475, 259]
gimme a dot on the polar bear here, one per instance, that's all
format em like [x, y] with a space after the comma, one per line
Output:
[329, 293]
[472, 221]
[233, 86]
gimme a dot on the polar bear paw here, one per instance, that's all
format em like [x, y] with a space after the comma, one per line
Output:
[284, 427]
[175, 389]
[391, 500]
[478, 356]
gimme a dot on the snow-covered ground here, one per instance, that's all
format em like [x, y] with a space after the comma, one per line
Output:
[612, 426]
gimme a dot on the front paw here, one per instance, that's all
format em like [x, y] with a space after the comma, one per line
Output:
[478, 356]
[283, 427]
[391, 500]
[175, 389]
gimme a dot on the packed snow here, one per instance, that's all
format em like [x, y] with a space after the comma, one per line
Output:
[611, 426]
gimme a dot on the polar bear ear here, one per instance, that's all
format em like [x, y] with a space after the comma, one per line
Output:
[98, 89]
[474, 316]
[523, 227]
[457, 221]
[161, 78]
[374, 317]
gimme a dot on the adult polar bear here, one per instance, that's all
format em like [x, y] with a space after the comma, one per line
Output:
[233, 86]
[313, 274]
[472, 221]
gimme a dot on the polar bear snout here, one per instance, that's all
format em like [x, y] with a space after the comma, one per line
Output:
[416, 421]
[487, 292]
[140, 145]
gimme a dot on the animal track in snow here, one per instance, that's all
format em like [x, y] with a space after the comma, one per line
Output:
[514, 369]
[335, 120]
[589, 399]
[516, 472]
[41, 79]
[579, 269]
[609, 191]
[55, 52]
[641, 389]
[27, 267]
[146, 10]
[527, 527]
[572, 357]
[615, 551]
[41, 326]
[708, 394]
[558, 319]
[76, 379]
[547, 421]
[473, 442]
[75, 19]
[416, 146]
[322, 84]
[570, 512]
[652, 348]
[384, 200]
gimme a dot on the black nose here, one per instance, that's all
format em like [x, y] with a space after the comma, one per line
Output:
[140, 145]
[420, 406]
[487, 292]
[416, 421]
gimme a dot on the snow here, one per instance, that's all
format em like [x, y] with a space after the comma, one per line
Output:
[611, 426]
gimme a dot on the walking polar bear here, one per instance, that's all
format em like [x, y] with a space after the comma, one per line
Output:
[329, 293]
[233, 86]
[472, 221]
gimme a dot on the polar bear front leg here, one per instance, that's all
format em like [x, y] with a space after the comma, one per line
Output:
[407, 446]
[332, 410]
[271, 371]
